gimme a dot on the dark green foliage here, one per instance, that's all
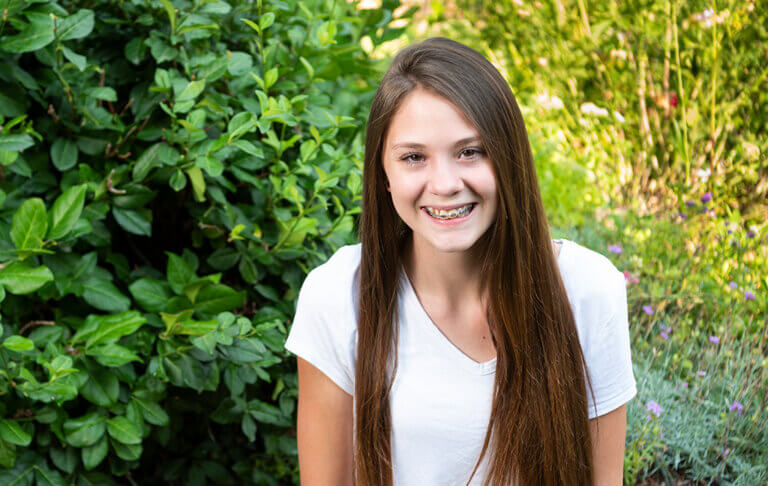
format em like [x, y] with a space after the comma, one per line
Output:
[169, 172]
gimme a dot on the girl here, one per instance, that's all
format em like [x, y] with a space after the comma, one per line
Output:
[455, 344]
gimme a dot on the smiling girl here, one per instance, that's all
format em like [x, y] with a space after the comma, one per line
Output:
[457, 343]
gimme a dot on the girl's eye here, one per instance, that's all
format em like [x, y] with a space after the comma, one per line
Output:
[408, 158]
[473, 152]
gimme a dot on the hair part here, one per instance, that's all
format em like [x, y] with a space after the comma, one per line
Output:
[538, 430]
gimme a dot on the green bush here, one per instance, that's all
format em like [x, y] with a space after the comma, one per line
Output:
[169, 172]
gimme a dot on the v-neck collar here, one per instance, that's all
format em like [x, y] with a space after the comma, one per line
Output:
[422, 319]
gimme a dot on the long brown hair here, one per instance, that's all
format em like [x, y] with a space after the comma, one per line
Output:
[538, 431]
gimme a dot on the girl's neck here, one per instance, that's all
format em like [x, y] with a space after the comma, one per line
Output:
[448, 277]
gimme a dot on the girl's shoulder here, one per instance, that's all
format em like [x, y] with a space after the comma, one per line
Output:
[331, 285]
[593, 283]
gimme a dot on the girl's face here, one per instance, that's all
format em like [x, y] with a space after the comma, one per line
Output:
[441, 181]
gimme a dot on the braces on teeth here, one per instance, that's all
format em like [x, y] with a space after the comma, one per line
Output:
[453, 213]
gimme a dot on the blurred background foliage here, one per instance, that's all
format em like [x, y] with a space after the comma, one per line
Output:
[170, 171]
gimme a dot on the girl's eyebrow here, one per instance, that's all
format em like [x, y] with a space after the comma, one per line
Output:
[416, 145]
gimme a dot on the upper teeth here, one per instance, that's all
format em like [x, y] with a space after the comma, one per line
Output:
[452, 213]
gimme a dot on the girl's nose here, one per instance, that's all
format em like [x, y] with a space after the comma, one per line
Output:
[444, 178]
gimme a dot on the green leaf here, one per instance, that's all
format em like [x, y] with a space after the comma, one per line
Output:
[152, 295]
[198, 183]
[218, 298]
[179, 272]
[18, 343]
[64, 154]
[177, 181]
[93, 455]
[20, 278]
[270, 77]
[29, 224]
[211, 165]
[240, 124]
[79, 61]
[16, 142]
[48, 477]
[148, 160]
[153, 412]
[102, 93]
[122, 430]
[191, 91]
[112, 355]
[103, 295]
[76, 26]
[108, 329]
[126, 452]
[310, 71]
[248, 427]
[86, 430]
[7, 454]
[12, 432]
[171, 14]
[266, 20]
[102, 387]
[134, 221]
[66, 211]
[34, 37]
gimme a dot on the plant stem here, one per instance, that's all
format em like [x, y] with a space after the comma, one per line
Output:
[682, 97]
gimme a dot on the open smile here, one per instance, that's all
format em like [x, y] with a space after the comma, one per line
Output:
[453, 216]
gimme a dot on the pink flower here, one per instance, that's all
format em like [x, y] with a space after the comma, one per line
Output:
[615, 249]
[664, 335]
[714, 339]
[701, 373]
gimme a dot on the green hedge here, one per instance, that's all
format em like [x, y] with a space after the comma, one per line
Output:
[169, 172]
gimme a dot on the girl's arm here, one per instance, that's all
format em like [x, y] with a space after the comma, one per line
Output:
[608, 447]
[324, 430]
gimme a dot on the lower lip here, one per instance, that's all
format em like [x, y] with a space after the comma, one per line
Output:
[450, 222]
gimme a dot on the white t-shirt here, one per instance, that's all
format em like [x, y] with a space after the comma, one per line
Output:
[441, 398]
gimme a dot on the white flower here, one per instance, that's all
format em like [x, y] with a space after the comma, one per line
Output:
[618, 117]
[592, 109]
[703, 174]
[619, 53]
[542, 61]
[368, 4]
[751, 151]
[548, 102]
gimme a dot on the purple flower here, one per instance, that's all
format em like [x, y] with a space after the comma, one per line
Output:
[682, 215]
[749, 295]
[737, 406]
[661, 435]
[714, 339]
[730, 231]
[689, 203]
[615, 249]
[648, 310]
[732, 285]
[750, 234]
[701, 373]
[706, 197]
[685, 384]
[664, 335]
[654, 408]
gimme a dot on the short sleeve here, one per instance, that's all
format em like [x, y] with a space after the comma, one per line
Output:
[321, 332]
[609, 359]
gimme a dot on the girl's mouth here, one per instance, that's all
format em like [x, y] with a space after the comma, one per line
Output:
[452, 217]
